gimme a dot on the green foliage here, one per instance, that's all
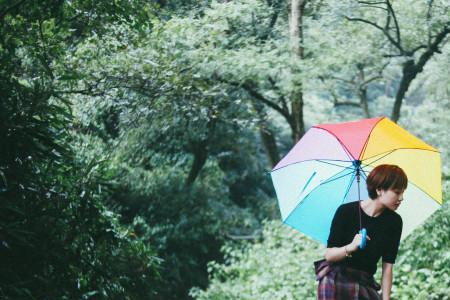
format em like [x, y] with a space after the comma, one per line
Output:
[423, 267]
[186, 223]
[280, 266]
[147, 109]
[58, 239]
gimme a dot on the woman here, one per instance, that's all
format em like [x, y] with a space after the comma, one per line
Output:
[347, 271]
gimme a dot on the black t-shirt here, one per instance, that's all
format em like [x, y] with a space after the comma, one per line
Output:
[384, 232]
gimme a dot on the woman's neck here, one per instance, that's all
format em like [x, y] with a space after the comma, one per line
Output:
[372, 208]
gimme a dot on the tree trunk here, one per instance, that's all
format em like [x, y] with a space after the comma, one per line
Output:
[411, 69]
[295, 29]
[296, 97]
[362, 91]
[200, 152]
[270, 145]
[200, 155]
[409, 73]
[297, 125]
[266, 134]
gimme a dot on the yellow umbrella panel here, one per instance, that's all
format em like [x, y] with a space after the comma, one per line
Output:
[388, 143]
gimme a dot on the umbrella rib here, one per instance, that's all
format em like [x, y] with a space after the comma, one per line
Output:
[306, 185]
[363, 173]
[331, 179]
[368, 137]
[385, 154]
[350, 156]
[319, 160]
[349, 186]
[425, 192]
[325, 162]
[390, 151]
[319, 185]
[411, 182]
[324, 182]
[308, 182]
[370, 165]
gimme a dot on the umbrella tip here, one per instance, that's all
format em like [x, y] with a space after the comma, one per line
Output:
[356, 163]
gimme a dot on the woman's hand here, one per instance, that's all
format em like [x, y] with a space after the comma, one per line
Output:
[354, 245]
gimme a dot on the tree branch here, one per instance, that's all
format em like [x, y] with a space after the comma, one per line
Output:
[8, 9]
[397, 28]
[434, 47]
[418, 48]
[254, 236]
[371, 2]
[371, 79]
[303, 4]
[273, 21]
[379, 76]
[385, 32]
[430, 6]
[351, 82]
[282, 98]
[254, 93]
[374, 6]
[347, 103]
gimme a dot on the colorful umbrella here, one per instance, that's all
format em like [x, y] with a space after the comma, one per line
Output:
[321, 172]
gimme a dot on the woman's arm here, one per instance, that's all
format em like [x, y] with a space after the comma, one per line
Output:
[386, 281]
[336, 254]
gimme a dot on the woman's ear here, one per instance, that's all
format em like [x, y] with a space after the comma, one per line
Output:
[379, 192]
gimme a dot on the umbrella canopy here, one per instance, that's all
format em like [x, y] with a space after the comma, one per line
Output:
[320, 173]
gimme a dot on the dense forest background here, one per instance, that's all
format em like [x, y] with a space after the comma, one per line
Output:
[137, 139]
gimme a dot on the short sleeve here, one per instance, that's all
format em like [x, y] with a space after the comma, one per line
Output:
[337, 229]
[393, 243]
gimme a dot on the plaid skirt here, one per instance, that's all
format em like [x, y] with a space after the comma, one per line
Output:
[342, 283]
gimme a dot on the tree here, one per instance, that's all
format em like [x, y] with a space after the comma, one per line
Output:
[414, 52]
[58, 239]
[297, 44]
[345, 65]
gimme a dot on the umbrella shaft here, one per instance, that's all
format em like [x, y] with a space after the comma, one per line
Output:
[358, 179]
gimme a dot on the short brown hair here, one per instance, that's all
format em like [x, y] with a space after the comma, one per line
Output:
[386, 177]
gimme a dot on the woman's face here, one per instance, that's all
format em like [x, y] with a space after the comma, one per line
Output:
[390, 198]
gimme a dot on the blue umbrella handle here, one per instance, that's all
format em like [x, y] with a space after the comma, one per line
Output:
[363, 241]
